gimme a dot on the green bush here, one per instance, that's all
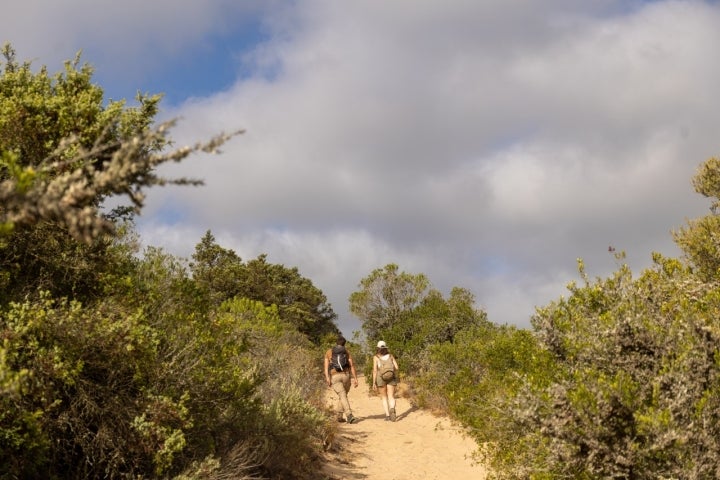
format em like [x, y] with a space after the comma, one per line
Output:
[636, 393]
[113, 366]
[291, 425]
[83, 381]
[111, 392]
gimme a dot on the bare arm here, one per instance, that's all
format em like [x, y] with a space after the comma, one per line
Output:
[327, 370]
[374, 359]
[352, 370]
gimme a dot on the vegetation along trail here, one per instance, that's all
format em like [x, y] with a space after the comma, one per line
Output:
[418, 446]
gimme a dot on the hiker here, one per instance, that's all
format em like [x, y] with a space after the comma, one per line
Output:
[385, 379]
[339, 367]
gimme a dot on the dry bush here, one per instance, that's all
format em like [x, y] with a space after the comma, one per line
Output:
[240, 463]
[635, 384]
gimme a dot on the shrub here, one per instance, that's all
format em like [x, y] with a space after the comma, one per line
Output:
[82, 383]
[291, 426]
[636, 393]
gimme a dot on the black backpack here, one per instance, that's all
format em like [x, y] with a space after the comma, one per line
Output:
[339, 360]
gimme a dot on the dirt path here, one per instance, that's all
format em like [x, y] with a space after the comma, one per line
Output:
[418, 446]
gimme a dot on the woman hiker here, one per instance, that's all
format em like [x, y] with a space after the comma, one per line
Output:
[339, 366]
[385, 379]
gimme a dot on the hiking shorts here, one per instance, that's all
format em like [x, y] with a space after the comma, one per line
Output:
[381, 383]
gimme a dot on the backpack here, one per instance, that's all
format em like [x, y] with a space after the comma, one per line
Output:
[339, 359]
[386, 369]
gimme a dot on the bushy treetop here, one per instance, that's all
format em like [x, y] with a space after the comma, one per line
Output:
[62, 151]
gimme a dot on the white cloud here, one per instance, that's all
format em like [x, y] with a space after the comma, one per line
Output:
[485, 144]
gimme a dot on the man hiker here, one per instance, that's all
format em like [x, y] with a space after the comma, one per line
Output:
[339, 367]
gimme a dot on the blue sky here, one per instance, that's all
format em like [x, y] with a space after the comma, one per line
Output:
[210, 65]
[488, 145]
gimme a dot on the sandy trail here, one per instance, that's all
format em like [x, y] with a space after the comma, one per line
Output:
[418, 446]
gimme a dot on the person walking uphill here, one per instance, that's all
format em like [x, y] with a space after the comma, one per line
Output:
[385, 379]
[339, 366]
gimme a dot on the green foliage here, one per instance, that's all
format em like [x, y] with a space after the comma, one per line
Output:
[618, 380]
[85, 372]
[149, 386]
[476, 379]
[298, 300]
[248, 376]
[412, 317]
[113, 366]
[44, 257]
[384, 296]
[290, 426]
[700, 239]
[222, 275]
[434, 321]
[634, 393]
[63, 151]
[707, 180]
[216, 270]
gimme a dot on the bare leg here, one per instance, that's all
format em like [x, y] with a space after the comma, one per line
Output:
[391, 400]
[383, 395]
[391, 395]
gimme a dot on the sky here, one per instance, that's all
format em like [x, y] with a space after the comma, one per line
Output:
[485, 144]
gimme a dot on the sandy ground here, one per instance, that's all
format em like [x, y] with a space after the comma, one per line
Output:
[418, 446]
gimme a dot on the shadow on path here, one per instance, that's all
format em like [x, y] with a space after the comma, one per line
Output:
[423, 445]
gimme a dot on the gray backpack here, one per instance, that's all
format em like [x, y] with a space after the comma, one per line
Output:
[386, 369]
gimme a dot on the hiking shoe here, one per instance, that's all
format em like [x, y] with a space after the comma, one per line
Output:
[387, 419]
[340, 419]
[392, 415]
[351, 419]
